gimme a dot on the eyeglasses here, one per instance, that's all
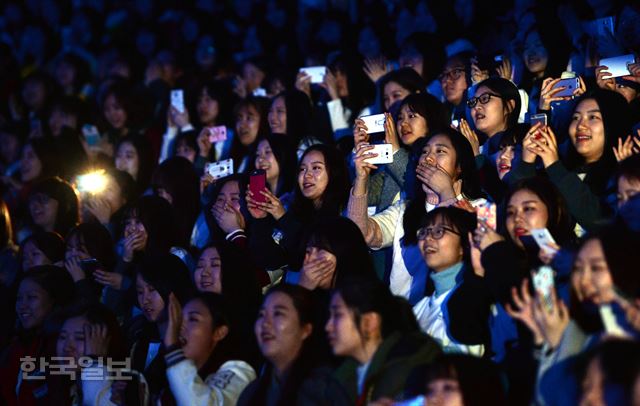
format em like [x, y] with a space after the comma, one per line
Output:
[453, 74]
[483, 99]
[435, 232]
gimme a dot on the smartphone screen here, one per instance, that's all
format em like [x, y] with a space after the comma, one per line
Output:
[257, 183]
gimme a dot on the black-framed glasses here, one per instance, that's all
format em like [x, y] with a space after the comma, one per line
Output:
[453, 74]
[435, 232]
[483, 99]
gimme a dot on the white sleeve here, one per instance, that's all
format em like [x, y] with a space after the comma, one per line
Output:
[221, 388]
[387, 220]
[338, 115]
[167, 143]
[96, 387]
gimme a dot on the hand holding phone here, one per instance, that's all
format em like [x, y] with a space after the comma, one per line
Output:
[619, 65]
[257, 183]
[544, 239]
[374, 123]
[570, 85]
[315, 72]
[91, 134]
[487, 212]
[220, 169]
[384, 154]
[177, 100]
[217, 134]
[543, 284]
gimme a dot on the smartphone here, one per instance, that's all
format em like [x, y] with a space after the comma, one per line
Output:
[498, 58]
[217, 134]
[257, 183]
[605, 25]
[385, 154]
[542, 280]
[570, 85]
[374, 123]
[260, 92]
[610, 322]
[619, 65]
[89, 265]
[91, 134]
[538, 118]
[177, 100]
[487, 213]
[316, 72]
[455, 123]
[220, 169]
[542, 236]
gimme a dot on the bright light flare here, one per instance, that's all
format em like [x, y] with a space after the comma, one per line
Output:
[92, 182]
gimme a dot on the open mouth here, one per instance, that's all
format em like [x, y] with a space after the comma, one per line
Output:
[307, 185]
[267, 337]
[206, 284]
[519, 231]
[582, 138]
[430, 250]
[504, 167]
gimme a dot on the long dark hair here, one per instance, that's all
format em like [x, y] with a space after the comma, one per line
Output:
[508, 91]
[97, 239]
[260, 105]
[560, 223]
[51, 244]
[428, 107]
[298, 113]
[68, 214]
[220, 92]
[303, 302]
[216, 234]
[145, 159]
[156, 214]
[285, 154]
[407, 78]
[361, 90]
[335, 195]
[465, 161]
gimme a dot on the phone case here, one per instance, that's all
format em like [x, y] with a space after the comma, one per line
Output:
[257, 183]
[538, 118]
[374, 123]
[217, 134]
[316, 72]
[618, 66]
[385, 154]
[177, 100]
[570, 84]
[91, 135]
[543, 282]
[543, 237]
[220, 169]
[487, 213]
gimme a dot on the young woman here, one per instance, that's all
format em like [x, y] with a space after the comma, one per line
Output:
[454, 82]
[315, 196]
[284, 330]
[583, 176]
[443, 240]
[380, 339]
[107, 207]
[290, 114]
[628, 179]
[445, 175]
[53, 206]
[205, 363]
[133, 155]
[276, 156]
[88, 332]
[41, 248]
[251, 123]
[42, 294]
[396, 85]
[9, 264]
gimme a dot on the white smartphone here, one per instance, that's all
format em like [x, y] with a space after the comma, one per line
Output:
[543, 237]
[177, 100]
[385, 154]
[260, 92]
[543, 282]
[374, 123]
[455, 123]
[619, 65]
[220, 169]
[316, 72]
[610, 322]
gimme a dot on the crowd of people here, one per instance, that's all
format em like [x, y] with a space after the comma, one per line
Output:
[190, 216]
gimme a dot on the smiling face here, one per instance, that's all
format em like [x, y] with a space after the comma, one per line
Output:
[535, 54]
[266, 160]
[489, 118]
[43, 210]
[278, 329]
[278, 116]
[393, 92]
[247, 125]
[590, 278]
[149, 300]
[627, 188]
[127, 159]
[411, 125]
[439, 152]
[114, 113]
[525, 211]
[208, 273]
[33, 304]
[71, 338]
[587, 130]
[342, 331]
[33, 256]
[197, 332]
[440, 254]
[30, 164]
[208, 109]
[313, 177]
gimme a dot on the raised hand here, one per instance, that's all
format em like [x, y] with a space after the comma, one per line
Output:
[99, 208]
[96, 340]
[375, 68]
[204, 145]
[111, 279]
[548, 93]
[529, 151]
[630, 146]
[303, 83]
[317, 272]
[360, 135]
[485, 236]
[330, 85]
[477, 75]
[391, 132]
[172, 333]
[551, 321]
[253, 207]
[228, 217]
[178, 119]
[523, 310]
[436, 179]
[604, 79]
[505, 70]
[634, 68]
[471, 136]
[72, 265]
